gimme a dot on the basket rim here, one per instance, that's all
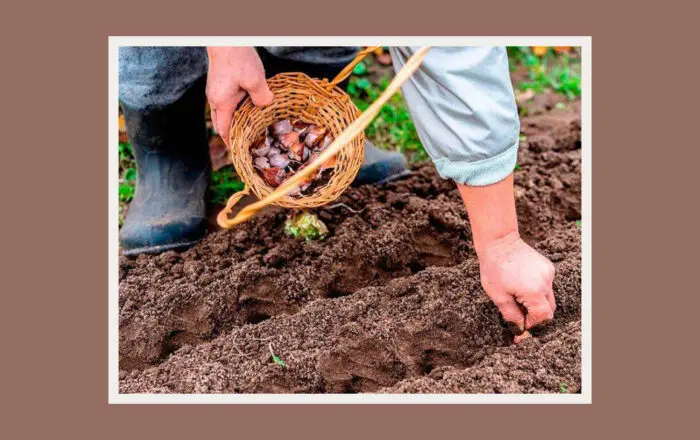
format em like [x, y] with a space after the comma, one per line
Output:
[240, 147]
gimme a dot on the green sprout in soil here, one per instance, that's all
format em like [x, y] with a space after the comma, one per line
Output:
[562, 388]
[578, 223]
[277, 360]
[305, 225]
[517, 167]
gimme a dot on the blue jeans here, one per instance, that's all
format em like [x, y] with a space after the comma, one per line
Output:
[158, 76]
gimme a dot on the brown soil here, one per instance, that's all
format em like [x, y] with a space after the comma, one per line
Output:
[390, 302]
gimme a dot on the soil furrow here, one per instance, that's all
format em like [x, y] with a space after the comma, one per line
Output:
[373, 339]
[389, 302]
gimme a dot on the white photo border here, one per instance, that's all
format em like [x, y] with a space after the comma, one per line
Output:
[585, 42]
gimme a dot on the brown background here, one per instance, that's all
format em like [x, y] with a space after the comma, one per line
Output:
[54, 294]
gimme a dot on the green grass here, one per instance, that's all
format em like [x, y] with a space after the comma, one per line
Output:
[393, 128]
[127, 177]
[127, 172]
[558, 72]
[224, 183]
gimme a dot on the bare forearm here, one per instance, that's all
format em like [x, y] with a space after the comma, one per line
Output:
[491, 212]
[516, 277]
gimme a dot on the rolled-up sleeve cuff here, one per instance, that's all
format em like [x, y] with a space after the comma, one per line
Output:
[482, 172]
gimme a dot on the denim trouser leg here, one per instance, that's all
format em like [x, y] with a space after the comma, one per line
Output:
[158, 76]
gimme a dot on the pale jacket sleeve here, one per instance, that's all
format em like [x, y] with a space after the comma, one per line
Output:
[462, 103]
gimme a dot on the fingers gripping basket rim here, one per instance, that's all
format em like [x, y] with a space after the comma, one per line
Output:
[297, 96]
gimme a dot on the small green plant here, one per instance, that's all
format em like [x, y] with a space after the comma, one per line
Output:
[360, 68]
[305, 225]
[224, 182]
[562, 388]
[393, 127]
[275, 358]
[517, 167]
[127, 177]
[127, 172]
[578, 223]
[558, 72]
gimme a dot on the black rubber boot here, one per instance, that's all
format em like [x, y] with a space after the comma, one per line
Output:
[379, 165]
[172, 161]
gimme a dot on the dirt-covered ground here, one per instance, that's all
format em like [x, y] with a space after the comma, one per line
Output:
[390, 302]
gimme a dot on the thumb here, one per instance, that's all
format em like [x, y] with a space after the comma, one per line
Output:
[511, 312]
[260, 93]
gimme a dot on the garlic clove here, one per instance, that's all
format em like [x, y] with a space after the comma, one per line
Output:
[270, 175]
[261, 163]
[296, 151]
[288, 139]
[281, 127]
[522, 337]
[300, 126]
[273, 151]
[262, 151]
[313, 135]
[327, 140]
[279, 160]
[281, 176]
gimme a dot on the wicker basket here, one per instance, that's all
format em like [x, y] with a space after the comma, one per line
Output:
[311, 100]
[297, 96]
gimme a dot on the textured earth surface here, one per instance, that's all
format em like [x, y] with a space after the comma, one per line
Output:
[390, 302]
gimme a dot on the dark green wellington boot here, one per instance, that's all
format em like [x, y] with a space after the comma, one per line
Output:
[172, 160]
[379, 165]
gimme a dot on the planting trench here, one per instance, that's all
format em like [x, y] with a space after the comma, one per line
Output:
[389, 302]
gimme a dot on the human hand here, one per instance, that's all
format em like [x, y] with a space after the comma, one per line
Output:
[518, 279]
[233, 72]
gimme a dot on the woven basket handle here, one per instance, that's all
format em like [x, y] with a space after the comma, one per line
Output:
[350, 67]
[346, 136]
[222, 218]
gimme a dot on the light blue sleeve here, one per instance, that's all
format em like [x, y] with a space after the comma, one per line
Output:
[462, 104]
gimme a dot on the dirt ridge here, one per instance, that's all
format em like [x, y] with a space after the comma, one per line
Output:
[389, 302]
